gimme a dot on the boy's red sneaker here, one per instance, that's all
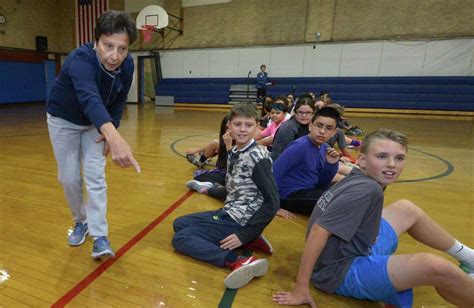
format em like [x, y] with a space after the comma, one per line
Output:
[261, 244]
[244, 269]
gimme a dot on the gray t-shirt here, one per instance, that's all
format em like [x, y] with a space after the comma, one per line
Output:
[351, 211]
[338, 137]
[287, 133]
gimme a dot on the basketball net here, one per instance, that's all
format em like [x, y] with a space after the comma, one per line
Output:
[147, 32]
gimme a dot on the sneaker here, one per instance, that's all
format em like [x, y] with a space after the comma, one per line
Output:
[78, 235]
[355, 144]
[359, 132]
[196, 160]
[466, 268]
[244, 270]
[198, 163]
[198, 186]
[261, 244]
[355, 131]
[191, 158]
[101, 249]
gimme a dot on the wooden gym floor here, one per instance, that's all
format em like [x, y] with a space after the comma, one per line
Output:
[38, 268]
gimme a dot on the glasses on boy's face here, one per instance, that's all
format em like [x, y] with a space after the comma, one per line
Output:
[304, 113]
[321, 126]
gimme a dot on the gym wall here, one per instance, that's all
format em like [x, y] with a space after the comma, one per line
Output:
[279, 22]
[249, 23]
[54, 19]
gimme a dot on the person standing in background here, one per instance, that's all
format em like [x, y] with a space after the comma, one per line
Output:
[262, 83]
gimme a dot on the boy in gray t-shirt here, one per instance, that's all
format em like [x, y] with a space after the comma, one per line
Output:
[351, 239]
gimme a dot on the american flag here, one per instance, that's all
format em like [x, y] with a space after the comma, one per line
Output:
[87, 12]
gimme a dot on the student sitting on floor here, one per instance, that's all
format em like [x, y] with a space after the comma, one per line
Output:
[341, 141]
[325, 97]
[265, 113]
[251, 204]
[278, 117]
[306, 167]
[294, 128]
[201, 156]
[343, 124]
[212, 182]
[351, 238]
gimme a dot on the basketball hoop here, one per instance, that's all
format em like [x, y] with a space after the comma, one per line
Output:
[147, 32]
[153, 18]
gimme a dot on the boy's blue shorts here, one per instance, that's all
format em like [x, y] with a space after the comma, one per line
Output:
[367, 277]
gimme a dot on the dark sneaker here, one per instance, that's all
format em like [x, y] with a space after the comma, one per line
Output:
[355, 144]
[78, 235]
[358, 131]
[191, 158]
[198, 163]
[466, 268]
[261, 244]
[101, 249]
[196, 160]
[198, 186]
[244, 270]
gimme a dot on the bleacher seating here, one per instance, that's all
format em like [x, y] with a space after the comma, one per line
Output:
[428, 93]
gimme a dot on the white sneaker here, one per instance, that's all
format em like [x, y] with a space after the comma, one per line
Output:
[198, 186]
[244, 270]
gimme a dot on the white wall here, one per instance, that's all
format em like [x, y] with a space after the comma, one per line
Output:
[409, 58]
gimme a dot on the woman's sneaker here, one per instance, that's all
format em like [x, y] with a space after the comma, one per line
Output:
[244, 269]
[78, 235]
[101, 249]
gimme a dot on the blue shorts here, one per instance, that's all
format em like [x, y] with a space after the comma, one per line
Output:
[367, 277]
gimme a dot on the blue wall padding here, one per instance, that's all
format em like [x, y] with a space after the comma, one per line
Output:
[50, 67]
[22, 82]
[429, 93]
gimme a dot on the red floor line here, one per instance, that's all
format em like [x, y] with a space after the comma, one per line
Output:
[66, 298]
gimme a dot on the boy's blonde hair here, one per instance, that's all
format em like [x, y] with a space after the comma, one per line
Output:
[382, 134]
[246, 110]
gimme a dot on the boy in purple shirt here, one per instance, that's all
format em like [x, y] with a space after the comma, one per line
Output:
[306, 167]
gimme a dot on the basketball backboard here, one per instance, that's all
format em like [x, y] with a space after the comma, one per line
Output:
[152, 15]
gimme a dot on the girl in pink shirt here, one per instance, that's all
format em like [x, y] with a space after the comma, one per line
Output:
[277, 114]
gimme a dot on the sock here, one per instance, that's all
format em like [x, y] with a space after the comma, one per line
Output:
[462, 253]
[355, 143]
